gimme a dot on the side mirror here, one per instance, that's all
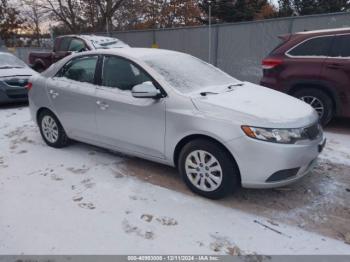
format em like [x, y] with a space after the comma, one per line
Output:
[145, 90]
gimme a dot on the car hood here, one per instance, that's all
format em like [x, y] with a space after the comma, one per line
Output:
[25, 71]
[250, 104]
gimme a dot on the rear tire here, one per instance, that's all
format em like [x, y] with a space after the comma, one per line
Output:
[320, 101]
[208, 169]
[51, 130]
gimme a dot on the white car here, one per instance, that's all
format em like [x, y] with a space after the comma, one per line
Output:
[175, 109]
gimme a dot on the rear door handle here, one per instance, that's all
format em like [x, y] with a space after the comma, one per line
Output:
[102, 105]
[53, 94]
[335, 66]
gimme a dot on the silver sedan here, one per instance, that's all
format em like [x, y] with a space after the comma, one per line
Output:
[175, 109]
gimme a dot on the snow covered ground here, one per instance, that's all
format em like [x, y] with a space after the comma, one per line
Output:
[84, 200]
[338, 150]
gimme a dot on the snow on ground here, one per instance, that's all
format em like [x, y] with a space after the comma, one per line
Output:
[338, 148]
[79, 200]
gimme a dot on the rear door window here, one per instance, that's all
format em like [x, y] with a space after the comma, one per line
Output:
[319, 46]
[80, 69]
[341, 47]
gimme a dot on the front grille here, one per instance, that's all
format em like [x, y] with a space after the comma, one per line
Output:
[18, 96]
[17, 82]
[283, 175]
[312, 132]
[17, 93]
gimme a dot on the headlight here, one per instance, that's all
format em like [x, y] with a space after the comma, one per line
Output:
[276, 135]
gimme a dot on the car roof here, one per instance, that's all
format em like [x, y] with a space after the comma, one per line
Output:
[325, 31]
[96, 38]
[137, 53]
[88, 37]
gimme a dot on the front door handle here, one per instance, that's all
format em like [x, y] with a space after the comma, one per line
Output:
[102, 105]
[53, 94]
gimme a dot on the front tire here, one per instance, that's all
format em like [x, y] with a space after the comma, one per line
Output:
[39, 68]
[208, 169]
[51, 130]
[320, 101]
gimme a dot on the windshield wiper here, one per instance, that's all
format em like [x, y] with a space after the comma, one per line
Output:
[9, 67]
[231, 87]
[208, 93]
[238, 84]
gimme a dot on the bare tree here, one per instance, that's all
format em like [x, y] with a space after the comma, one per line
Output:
[107, 10]
[145, 14]
[68, 12]
[106, 15]
[92, 14]
[10, 21]
[83, 15]
[180, 13]
[35, 15]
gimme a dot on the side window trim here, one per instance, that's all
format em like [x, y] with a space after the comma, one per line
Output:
[63, 69]
[287, 53]
[99, 73]
[333, 44]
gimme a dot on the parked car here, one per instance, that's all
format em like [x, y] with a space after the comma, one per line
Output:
[313, 66]
[66, 45]
[14, 75]
[175, 109]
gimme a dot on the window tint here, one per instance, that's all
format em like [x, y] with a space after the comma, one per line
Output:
[319, 46]
[76, 45]
[341, 46]
[63, 44]
[81, 69]
[122, 74]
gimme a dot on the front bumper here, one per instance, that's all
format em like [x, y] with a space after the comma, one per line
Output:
[258, 161]
[11, 94]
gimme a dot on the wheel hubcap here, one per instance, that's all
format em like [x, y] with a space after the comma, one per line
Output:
[50, 129]
[203, 170]
[315, 103]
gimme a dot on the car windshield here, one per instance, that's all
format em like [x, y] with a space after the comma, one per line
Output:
[186, 73]
[10, 61]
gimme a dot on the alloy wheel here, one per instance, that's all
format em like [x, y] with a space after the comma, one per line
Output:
[49, 129]
[203, 170]
[315, 103]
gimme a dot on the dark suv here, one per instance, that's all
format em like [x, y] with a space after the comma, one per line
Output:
[315, 67]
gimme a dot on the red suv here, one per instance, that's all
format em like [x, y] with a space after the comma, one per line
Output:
[313, 66]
